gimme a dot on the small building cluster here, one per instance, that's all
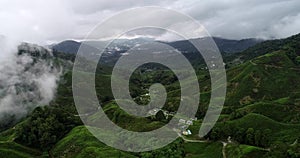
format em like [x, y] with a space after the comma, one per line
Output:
[184, 124]
[154, 111]
[188, 132]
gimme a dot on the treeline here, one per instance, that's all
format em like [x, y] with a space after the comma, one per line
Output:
[248, 136]
[175, 150]
[45, 127]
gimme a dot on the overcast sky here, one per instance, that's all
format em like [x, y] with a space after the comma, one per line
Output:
[44, 21]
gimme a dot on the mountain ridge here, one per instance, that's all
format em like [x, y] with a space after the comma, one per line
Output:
[225, 45]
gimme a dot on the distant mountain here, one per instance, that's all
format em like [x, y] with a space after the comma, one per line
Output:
[68, 46]
[233, 46]
[72, 47]
[134, 41]
[290, 44]
[119, 47]
[226, 46]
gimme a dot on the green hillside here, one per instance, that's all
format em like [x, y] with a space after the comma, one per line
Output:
[81, 143]
[261, 115]
[265, 78]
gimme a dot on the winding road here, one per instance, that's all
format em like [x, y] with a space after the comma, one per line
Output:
[224, 149]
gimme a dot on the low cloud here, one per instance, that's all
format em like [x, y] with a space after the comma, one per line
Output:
[26, 80]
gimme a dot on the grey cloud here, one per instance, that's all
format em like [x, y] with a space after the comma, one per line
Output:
[92, 6]
[41, 21]
[242, 19]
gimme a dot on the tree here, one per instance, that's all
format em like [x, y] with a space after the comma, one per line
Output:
[175, 149]
[250, 136]
[160, 116]
[257, 138]
[45, 127]
[297, 60]
[240, 135]
[214, 134]
[265, 138]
